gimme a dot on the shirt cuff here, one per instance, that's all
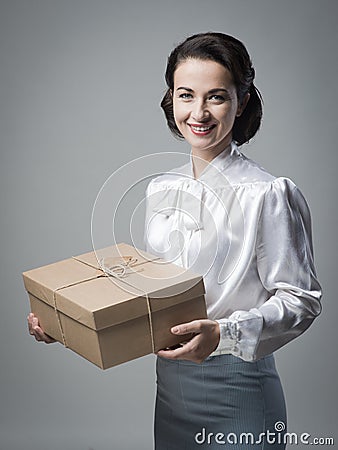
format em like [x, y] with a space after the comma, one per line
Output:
[240, 334]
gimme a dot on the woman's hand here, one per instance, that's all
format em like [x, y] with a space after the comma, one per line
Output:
[205, 341]
[36, 331]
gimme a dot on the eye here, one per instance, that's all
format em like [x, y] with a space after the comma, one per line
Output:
[185, 96]
[217, 98]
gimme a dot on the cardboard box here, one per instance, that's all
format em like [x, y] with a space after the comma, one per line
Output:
[108, 316]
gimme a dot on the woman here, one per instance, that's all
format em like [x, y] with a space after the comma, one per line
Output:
[249, 234]
[224, 379]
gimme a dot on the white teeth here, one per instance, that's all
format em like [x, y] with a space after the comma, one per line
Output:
[202, 128]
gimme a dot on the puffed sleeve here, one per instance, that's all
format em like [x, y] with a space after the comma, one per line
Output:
[286, 269]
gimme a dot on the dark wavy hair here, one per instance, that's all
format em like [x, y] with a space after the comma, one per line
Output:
[232, 54]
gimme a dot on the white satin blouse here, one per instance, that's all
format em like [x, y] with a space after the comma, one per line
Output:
[249, 234]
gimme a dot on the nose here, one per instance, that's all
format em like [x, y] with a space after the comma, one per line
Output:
[200, 111]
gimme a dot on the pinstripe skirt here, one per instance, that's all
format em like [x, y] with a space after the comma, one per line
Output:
[223, 402]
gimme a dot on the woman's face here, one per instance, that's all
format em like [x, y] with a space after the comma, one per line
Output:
[205, 105]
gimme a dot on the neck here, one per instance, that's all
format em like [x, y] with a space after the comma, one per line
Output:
[201, 158]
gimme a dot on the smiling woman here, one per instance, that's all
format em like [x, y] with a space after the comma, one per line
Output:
[232, 56]
[248, 233]
[205, 106]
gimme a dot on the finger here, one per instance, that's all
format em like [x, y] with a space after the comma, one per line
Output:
[30, 323]
[35, 325]
[33, 322]
[49, 340]
[40, 335]
[190, 327]
[185, 351]
[31, 316]
[37, 333]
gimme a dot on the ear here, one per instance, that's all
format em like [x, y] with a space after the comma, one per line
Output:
[242, 106]
[171, 93]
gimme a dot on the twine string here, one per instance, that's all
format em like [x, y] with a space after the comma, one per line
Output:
[120, 270]
[63, 336]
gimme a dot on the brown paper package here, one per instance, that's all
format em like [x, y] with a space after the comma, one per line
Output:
[112, 319]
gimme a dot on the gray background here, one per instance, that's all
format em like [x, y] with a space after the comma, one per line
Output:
[81, 83]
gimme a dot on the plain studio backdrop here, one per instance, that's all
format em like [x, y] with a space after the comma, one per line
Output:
[81, 83]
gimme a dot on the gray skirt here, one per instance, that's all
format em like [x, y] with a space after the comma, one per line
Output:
[223, 402]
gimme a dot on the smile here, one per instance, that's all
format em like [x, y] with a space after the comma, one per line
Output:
[200, 129]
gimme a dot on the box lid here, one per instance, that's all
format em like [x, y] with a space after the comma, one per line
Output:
[79, 288]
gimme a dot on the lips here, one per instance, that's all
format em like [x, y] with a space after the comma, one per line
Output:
[201, 130]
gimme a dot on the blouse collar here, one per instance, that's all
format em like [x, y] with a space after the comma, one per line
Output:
[217, 164]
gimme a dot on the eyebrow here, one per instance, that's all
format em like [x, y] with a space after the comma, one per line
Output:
[212, 91]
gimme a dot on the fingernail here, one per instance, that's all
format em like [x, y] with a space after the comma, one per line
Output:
[175, 330]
